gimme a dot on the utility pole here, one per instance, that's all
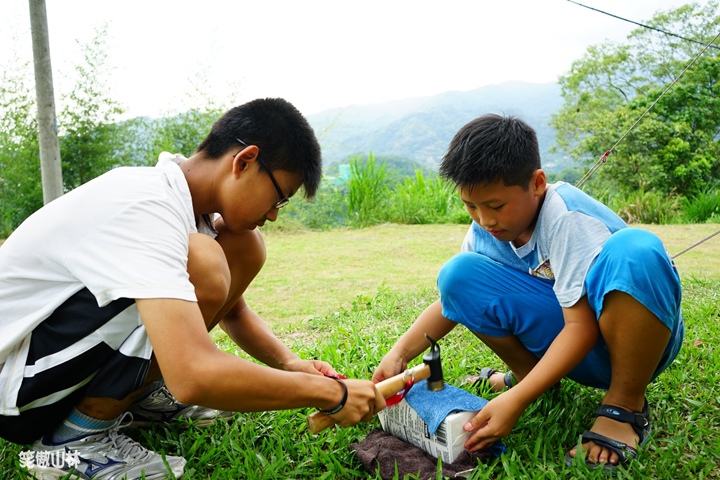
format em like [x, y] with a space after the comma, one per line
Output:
[50, 166]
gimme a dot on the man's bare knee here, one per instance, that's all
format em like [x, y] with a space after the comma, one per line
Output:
[209, 274]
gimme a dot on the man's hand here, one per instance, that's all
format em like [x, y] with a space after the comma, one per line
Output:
[494, 422]
[363, 402]
[316, 367]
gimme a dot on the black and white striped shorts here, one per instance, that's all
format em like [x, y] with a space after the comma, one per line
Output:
[81, 350]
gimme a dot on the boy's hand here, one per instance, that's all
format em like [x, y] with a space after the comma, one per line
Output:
[390, 365]
[494, 422]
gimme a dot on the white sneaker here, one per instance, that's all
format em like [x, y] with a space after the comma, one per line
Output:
[160, 406]
[109, 455]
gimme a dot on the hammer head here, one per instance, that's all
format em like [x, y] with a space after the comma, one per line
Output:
[435, 381]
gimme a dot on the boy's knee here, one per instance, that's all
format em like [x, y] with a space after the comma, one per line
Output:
[634, 243]
[637, 255]
[456, 270]
[208, 269]
[635, 262]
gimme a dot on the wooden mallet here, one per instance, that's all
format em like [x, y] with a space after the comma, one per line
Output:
[430, 369]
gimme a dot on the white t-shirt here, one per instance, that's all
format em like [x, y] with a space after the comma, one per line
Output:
[122, 235]
[570, 232]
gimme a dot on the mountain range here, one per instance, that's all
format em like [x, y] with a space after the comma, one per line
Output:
[420, 129]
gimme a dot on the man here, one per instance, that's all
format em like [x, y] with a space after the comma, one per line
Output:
[120, 280]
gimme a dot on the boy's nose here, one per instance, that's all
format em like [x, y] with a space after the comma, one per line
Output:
[487, 222]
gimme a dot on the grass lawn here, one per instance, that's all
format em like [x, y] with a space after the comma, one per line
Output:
[345, 296]
[311, 273]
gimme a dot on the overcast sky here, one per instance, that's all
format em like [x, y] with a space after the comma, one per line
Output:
[320, 54]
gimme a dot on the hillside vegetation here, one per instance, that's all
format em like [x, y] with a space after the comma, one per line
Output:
[420, 129]
[664, 165]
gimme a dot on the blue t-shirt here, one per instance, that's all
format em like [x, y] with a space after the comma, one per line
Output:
[570, 232]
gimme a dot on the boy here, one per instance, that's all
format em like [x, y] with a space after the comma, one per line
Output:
[120, 280]
[557, 286]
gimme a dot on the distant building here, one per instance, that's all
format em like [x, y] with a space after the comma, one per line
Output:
[342, 178]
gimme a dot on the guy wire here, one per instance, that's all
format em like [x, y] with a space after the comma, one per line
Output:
[602, 159]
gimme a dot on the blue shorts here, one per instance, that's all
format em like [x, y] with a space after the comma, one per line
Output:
[493, 299]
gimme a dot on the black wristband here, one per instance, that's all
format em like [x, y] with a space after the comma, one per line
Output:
[340, 405]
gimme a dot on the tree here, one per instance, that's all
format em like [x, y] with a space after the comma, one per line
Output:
[20, 184]
[674, 147]
[183, 132]
[91, 142]
[50, 168]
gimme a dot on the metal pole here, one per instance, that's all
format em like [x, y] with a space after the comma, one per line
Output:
[50, 166]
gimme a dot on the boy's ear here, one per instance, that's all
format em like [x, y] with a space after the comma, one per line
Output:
[539, 181]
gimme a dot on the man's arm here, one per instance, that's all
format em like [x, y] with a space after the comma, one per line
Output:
[251, 333]
[245, 253]
[197, 372]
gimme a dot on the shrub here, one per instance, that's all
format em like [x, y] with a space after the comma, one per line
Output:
[648, 207]
[327, 210]
[703, 206]
[421, 201]
[368, 195]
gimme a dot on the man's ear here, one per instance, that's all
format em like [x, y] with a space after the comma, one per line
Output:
[243, 158]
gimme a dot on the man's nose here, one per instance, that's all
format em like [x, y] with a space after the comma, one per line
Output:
[272, 214]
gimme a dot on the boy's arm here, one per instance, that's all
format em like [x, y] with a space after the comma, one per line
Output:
[575, 340]
[413, 342]
[579, 335]
[197, 372]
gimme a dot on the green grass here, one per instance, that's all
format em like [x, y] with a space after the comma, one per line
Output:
[311, 273]
[346, 296]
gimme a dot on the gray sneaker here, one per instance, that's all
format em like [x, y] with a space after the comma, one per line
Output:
[160, 406]
[105, 456]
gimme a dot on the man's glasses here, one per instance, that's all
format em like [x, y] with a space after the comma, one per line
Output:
[283, 199]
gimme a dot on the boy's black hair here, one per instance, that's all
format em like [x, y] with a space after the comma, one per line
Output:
[285, 138]
[492, 148]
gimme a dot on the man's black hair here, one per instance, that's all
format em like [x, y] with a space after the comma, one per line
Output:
[492, 148]
[285, 138]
